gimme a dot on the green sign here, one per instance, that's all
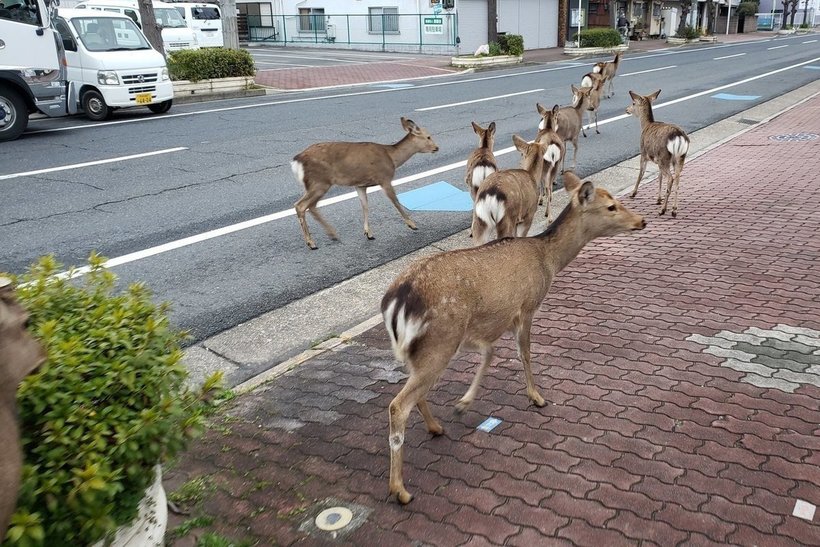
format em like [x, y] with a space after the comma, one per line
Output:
[433, 21]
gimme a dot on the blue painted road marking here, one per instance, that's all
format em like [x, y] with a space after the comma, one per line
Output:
[810, 67]
[439, 196]
[730, 97]
[489, 424]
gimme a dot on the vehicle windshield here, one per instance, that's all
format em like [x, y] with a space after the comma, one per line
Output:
[169, 18]
[109, 34]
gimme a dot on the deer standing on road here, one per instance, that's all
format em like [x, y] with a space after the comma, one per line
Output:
[481, 162]
[596, 82]
[470, 297]
[508, 199]
[357, 164]
[662, 143]
[608, 69]
[570, 120]
[20, 355]
[554, 151]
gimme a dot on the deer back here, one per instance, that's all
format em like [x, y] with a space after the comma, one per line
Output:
[554, 148]
[660, 141]
[481, 162]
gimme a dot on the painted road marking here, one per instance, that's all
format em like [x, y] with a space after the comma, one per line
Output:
[809, 42]
[778, 47]
[479, 100]
[729, 56]
[91, 163]
[439, 196]
[730, 97]
[650, 70]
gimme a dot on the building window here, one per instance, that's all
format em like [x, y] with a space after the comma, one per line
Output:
[383, 20]
[311, 19]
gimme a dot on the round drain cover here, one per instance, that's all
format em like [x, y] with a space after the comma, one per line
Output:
[334, 518]
[794, 137]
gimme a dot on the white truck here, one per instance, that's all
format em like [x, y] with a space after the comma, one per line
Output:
[32, 68]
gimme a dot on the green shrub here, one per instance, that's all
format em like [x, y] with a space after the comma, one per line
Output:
[747, 9]
[495, 49]
[599, 37]
[107, 406]
[207, 63]
[514, 44]
[690, 33]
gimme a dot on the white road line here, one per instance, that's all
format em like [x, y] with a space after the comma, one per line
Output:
[650, 70]
[808, 42]
[777, 47]
[729, 56]
[132, 257]
[91, 163]
[478, 100]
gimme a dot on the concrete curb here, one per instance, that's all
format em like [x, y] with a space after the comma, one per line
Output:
[311, 318]
[204, 97]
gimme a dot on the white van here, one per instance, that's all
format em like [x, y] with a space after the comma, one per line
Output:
[175, 33]
[205, 20]
[110, 64]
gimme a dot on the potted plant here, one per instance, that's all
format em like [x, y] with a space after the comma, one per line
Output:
[108, 405]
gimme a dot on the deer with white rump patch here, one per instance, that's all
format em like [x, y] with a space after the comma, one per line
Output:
[20, 355]
[481, 162]
[596, 82]
[608, 69]
[570, 120]
[662, 143]
[554, 151]
[507, 200]
[465, 299]
[357, 164]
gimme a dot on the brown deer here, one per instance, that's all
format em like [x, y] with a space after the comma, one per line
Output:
[570, 120]
[554, 151]
[357, 164]
[468, 298]
[608, 69]
[664, 144]
[20, 355]
[481, 162]
[596, 82]
[508, 199]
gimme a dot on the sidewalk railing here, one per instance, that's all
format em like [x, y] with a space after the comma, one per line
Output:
[378, 31]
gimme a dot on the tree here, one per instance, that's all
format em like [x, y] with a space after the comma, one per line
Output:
[711, 7]
[793, 4]
[152, 31]
[685, 8]
[789, 6]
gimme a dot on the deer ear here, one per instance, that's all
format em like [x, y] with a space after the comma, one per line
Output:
[491, 128]
[555, 109]
[633, 95]
[654, 95]
[476, 128]
[520, 144]
[571, 180]
[586, 193]
[409, 125]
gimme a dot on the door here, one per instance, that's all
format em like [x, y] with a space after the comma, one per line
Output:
[20, 44]
[472, 25]
[535, 20]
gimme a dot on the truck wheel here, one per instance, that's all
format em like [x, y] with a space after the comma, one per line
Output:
[13, 114]
[161, 108]
[95, 107]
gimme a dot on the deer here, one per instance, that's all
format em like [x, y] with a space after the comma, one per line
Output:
[508, 200]
[468, 298]
[20, 355]
[357, 164]
[481, 162]
[570, 120]
[608, 69]
[553, 153]
[594, 81]
[665, 144]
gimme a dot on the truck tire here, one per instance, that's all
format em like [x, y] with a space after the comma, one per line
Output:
[161, 108]
[13, 114]
[94, 106]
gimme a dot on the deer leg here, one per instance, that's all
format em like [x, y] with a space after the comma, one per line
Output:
[308, 203]
[640, 176]
[660, 185]
[678, 169]
[469, 397]
[669, 182]
[391, 193]
[363, 198]
[575, 152]
[522, 338]
[505, 228]
[595, 112]
[479, 230]
[433, 425]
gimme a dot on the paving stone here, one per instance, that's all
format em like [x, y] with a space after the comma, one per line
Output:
[781, 363]
[798, 378]
[798, 330]
[773, 383]
[763, 333]
[748, 338]
[752, 368]
[724, 343]
[730, 353]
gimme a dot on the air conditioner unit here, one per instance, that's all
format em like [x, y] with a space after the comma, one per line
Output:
[331, 30]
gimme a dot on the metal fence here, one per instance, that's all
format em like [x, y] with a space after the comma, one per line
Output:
[769, 21]
[381, 31]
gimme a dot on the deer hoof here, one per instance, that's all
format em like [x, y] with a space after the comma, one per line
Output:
[369, 236]
[312, 246]
[436, 430]
[662, 211]
[537, 400]
[674, 214]
[404, 497]
[461, 406]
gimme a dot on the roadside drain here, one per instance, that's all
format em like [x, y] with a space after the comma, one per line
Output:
[333, 518]
[794, 137]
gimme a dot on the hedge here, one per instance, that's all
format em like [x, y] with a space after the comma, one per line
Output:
[208, 63]
[599, 37]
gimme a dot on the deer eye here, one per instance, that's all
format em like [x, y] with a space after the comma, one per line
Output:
[611, 208]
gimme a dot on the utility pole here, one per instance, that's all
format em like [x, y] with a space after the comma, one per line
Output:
[492, 21]
[230, 30]
[150, 28]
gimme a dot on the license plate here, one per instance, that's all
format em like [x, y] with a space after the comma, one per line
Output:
[143, 98]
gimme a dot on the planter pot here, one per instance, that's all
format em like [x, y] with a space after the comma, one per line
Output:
[708, 38]
[786, 31]
[571, 50]
[208, 87]
[148, 530]
[470, 61]
[678, 41]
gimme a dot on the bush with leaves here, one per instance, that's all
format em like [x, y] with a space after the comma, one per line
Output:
[109, 404]
[599, 37]
[689, 33]
[514, 44]
[747, 9]
[494, 48]
[209, 63]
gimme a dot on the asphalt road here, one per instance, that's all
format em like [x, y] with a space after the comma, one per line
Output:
[200, 170]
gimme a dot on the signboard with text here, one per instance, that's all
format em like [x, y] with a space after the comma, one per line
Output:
[434, 25]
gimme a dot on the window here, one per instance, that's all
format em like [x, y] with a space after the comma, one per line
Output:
[383, 20]
[22, 11]
[68, 40]
[206, 14]
[311, 19]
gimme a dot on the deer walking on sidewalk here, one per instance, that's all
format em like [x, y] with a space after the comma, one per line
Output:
[357, 164]
[468, 298]
[664, 144]
[20, 355]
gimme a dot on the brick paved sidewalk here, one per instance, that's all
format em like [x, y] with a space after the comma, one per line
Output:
[682, 366]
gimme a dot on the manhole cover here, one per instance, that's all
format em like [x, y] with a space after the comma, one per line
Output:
[333, 519]
[794, 137]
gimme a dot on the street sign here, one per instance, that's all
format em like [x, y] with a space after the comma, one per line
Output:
[434, 25]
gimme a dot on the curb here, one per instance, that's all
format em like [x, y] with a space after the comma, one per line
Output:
[204, 97]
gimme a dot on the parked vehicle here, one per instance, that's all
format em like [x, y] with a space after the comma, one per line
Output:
[205, 20]
[32, 67]
[175, 33]
[111, 64]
